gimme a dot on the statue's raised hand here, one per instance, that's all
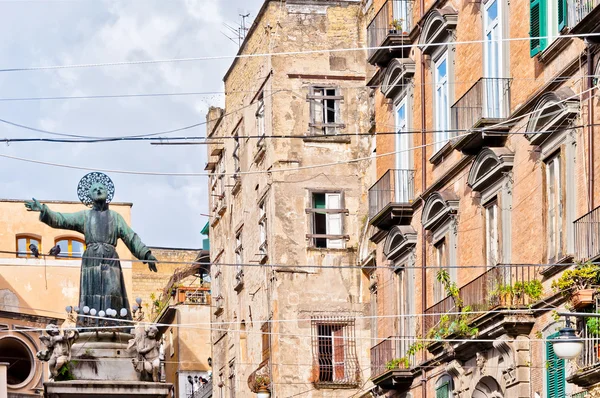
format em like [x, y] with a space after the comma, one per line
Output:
[34, 205]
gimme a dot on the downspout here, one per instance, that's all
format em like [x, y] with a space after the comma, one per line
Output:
[590, 123]
[423, 188]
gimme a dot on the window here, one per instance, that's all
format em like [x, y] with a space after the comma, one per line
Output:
[70, 247]
[327, 229]
[554, 202]
[23, 242]
[443, 387]
[495, 89]
[260, 121]
[325, 110]
[403, 183]
[491, 234]
[442, 101]
[373, 290]
[236, 152]
[555, 371]
[334, 351]
[547, 18]
[402, 14]
[232, 380]
[218, 185]
[406, 309]
[262, 229]
[216, 287]
[266, 341]
[239, 258]
[441, 262]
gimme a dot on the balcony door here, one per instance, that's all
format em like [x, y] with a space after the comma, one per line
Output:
[493, 85]
[400, 14]
[402, 158]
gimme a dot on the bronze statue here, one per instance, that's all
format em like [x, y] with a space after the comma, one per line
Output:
[101, 283]
[58, 352]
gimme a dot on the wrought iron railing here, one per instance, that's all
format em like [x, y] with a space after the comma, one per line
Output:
[394, 17]
[205, 391]
[390, 349]
[395, 186]
[579, 9]
[488, 98]
[587, 236]
[504, 285]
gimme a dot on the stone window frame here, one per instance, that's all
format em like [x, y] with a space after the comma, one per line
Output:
[563, 108]
[232, 379]
[445, 380]
[439, 217]
[399, 248]
[491, 177]
[310, 211]
[435, 40]
[320, 129]
[217, 186]
[263, 230]
[239, 259]
[217, 284]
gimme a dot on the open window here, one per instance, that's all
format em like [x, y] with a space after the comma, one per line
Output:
[325, 115]
[326, 219]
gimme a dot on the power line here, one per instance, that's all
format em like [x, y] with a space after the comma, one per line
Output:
[283, 53]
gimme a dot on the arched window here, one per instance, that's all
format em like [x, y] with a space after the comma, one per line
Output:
[70, 247]
[443, 387]
[23, 241]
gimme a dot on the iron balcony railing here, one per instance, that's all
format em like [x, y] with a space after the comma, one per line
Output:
[587, 236]
[395, 186]
[488, 98]
[394, 17]
[579, 9]
[394, 347]
[499, 286]
[590, 355]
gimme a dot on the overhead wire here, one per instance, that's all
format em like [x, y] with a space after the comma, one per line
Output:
[282, 53]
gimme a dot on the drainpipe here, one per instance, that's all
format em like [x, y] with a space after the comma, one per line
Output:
[590, 123]
[423, 188]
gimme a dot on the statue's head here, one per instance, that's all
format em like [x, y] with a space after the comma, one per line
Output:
[98, 192]
[52, 329]
[152, 332]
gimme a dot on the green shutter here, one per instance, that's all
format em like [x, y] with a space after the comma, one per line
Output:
[555, 372]
[562, 14]
[319, 200]
[537, 26]
[442, 391]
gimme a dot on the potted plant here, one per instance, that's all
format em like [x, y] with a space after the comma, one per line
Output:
[396, 26]
[579, 284]
[261, 386]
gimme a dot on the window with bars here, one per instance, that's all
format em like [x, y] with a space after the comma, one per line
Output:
[554, 208]
[262, 230]
[260, 121]
[555, 371]
[325, 116]
[334, 352]
[326, 212]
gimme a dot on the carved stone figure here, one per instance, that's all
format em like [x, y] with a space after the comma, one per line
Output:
[101, 284]
[146, 345]
[58, 352]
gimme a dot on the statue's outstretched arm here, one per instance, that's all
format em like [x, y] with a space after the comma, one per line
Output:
[72, 221]
[135, 244]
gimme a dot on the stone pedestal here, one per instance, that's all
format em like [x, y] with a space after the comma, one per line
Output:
[105, 389]
[101, 366]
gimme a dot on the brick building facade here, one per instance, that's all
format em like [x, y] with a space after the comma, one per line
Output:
[489, 177]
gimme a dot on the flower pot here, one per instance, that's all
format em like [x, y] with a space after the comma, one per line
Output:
[263, 392]
[582, 298]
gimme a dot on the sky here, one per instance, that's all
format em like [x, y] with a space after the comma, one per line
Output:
[167, 211]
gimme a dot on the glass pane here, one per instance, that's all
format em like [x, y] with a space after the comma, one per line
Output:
[492, 12]
[77, 248]
[64, 247]
[22, 247]
[442, 70]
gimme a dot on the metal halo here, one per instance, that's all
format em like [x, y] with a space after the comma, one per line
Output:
[83, 188]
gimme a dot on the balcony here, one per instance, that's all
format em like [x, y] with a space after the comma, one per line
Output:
[499, 287]
[390, 28]
[485, 104]
[588, 362]
[584, 17]
[587, 236]
[382, 373]
[390, 199]
[193, 295]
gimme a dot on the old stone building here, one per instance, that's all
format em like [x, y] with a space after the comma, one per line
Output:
[490, 178]
[288, 298]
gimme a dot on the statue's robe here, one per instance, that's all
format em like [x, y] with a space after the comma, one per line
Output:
[101, 283]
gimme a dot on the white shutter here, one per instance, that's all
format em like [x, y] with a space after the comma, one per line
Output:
[334, 220]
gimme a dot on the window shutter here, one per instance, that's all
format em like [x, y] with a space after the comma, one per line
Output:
[555, 372]
[334, 220]
[562, 14]
[442, 391]
[537, 26]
